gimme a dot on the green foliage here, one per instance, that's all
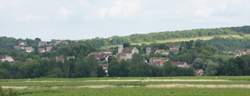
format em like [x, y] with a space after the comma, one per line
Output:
[209, 55]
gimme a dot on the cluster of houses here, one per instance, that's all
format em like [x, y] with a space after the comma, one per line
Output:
[158, 57]
[24, 46]
[43, 46]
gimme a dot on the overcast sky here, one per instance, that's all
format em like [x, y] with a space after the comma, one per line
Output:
[82, 19]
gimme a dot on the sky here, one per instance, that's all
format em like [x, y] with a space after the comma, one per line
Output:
[84, 19]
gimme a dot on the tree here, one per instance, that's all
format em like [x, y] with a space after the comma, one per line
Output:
[211, 68]
[118, 69]
[137, 66]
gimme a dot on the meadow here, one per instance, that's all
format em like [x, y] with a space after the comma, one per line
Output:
[131, 86]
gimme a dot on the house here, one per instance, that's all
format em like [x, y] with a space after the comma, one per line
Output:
[60, 58]
[239, 53]
[45, 49]
[126, 53]
[181, 64]
[105, 68]
[101, 56]
[41, 50]
[199, 72]
[24, 46]
[49, 48]
[20, 45]
[28, 49]
[6, 58]
[157, 61]
[174, 48]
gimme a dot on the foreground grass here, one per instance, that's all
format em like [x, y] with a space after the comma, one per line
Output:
[48, 82]
[131, 86]
[139, 92]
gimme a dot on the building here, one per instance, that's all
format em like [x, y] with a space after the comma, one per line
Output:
[174, 48]
[60, 58]
[101, 56]
[126, 53]
[24, 46]
[6, 58]
[49, 48]
[41, 50]
[199, 72]
[105, 68]
[45, 49]
[157, 61]
[20, 45]
[181, 64]
[239, 53]
[28, 49]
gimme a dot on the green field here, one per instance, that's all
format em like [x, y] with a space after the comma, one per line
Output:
[194, 38]
[130, 86]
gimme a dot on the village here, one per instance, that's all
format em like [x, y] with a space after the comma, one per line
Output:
[154, 56]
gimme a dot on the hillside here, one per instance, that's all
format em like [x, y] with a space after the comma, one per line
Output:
[174, 36]
[204, 52]
[187, 35]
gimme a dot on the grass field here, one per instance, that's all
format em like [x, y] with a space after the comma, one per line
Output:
[246, 36]
[194, 38]
[131, 86]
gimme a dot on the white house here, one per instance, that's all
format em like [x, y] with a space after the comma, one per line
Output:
[6, 58]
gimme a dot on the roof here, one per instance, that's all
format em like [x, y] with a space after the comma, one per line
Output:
[127, 50]
[100, 55]
[2, 56]
[178, 63]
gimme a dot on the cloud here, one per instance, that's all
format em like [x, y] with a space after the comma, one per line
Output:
[66, 12]
[120, 8]
[8, 3]
[91, 18]
[29, 18]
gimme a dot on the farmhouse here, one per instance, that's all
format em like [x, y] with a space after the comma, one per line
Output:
[6, 58]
